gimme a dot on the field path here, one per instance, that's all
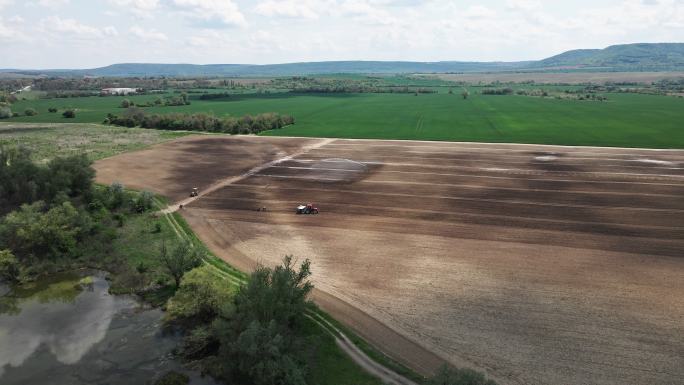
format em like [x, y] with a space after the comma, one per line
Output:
[227, 182]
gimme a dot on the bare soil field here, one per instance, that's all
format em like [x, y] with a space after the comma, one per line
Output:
[563, 77]
[172, 169]
[535, 264]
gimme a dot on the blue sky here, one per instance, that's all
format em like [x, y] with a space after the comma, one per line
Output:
[91, 33]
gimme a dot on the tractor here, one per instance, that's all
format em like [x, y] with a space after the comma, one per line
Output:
[194, 192]
[307, 209]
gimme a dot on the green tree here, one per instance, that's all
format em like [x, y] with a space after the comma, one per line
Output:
[71, 175]
[115, 196]
[22, 181]
[181, 259]
[278, 294]
[200, 296]
[5, 112]
[465, 94]
[30, 112]
[69, 114]
[20, 178]
[261, 338]
[143, 202]
[125, 103]
[185, 98]
[264, 357]
[32, 232]
[9, 266]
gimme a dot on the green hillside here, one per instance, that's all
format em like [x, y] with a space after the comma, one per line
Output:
[627, 57]
[661, 56]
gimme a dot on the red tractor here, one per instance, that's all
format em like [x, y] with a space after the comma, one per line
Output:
[308, 209]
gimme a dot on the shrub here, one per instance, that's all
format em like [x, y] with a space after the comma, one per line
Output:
[22, 181]
[115, 196]
[173, 378]
[33, 232]
[52, 109]
[69, 114]
[125, 103]
[30, 112]
[143, 202]
[182, 259]
[141, 267]
[5, 112]
[119, 218]
[200, 295]
[9, 266]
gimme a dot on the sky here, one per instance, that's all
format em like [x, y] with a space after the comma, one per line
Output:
[43, 34]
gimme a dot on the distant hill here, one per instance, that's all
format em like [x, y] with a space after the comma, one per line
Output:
[644, 56]
[289, 69]
[627, 57]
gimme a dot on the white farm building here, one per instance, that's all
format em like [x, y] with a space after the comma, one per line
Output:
[119, 91]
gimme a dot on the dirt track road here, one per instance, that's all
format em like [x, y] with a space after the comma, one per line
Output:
[536, 264]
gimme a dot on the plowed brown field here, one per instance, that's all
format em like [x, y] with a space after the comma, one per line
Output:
[536, 264]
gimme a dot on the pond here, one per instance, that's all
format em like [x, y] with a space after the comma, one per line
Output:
[69, 330]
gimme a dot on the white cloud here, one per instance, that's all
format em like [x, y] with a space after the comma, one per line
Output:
[367, 11]
[523, 5]
[52, 3]
[288, 8]
[6, 32]
[138, 4]
[301, 30]
[5, 3]
[75, 28]
[211, 13]
[148, 35]
[140, 8]
[478, 12]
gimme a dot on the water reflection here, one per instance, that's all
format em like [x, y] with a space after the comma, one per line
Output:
[59, 334]
[66, 322]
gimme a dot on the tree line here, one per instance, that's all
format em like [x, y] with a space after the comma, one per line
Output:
[360, 89]
[167, 101]
[497, 91]
[247, 124]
